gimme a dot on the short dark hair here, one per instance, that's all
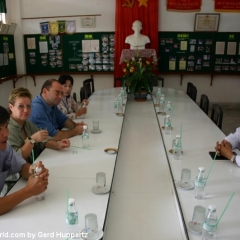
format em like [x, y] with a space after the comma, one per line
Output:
[63, 78]
[4, 115]
[48, 84]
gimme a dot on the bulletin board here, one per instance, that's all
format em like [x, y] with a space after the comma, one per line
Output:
[199, 52]
[7, 56]
[185, 52]
[79, 52]
[226, 58]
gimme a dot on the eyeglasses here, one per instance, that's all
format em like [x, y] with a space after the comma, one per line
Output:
[22, 107]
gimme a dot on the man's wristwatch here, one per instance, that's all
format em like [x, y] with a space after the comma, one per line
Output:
[233, 158]
[32, 141]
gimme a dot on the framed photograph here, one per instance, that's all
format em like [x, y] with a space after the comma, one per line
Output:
[88, 22]
[205, 22]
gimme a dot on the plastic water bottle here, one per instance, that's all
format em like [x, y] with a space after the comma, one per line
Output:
[83, 106]
[73, 230]
[177, 150]
[158, 96]
[115, 105]
[122, 93]
[167, 125]
[169, 108]
[200, 182]
[120, 104]
[210, 224]
[40, 196]
[85, 137]
[162, 104]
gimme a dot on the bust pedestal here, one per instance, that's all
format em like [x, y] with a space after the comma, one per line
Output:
[130, 53]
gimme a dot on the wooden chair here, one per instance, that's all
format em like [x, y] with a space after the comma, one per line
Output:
[88, 85]
[75, 96]
[82, 94]
[192, 91]
[204, 103]
[217, 115]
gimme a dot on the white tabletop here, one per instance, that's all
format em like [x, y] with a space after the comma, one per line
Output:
[143, 203]
[199, 136]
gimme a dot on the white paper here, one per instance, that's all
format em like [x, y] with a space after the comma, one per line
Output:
[5, 59]
[220, 48]
[231, 48]
[31, 43]
[43, 47]
[90, 45]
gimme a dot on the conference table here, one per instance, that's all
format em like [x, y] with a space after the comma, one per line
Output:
[143, 202]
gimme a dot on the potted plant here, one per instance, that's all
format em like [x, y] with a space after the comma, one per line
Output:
[139, 75]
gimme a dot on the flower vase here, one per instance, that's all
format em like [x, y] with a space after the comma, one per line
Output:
[140, 97]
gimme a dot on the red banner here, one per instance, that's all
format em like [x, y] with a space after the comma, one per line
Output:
[227, 5]
[184, 5]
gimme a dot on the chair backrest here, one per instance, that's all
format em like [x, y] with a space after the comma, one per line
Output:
[192, 91]
[75, 96]
[87, 87]
[204, 103]
[217, 115]
[82, 93]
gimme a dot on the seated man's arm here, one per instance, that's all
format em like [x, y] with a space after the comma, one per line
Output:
[234, 139]
[34, 187]
[74, 129]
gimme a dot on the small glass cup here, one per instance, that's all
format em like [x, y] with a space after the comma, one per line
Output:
[44, 129]
[185, 178]
[101, 179]
[95, 126]
[198, 216]
[91, 226]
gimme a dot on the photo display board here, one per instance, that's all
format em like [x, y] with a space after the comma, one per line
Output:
[79, 52]
[43, 54]
[226, 53]
[185, 52]
[199, 52]
[7, 56]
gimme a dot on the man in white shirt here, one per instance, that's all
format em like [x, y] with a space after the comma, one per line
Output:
[230, 142]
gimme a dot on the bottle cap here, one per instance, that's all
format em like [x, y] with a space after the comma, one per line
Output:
[178, 136]
[212, 207]
[168, 116]
[38, 169]
[71, 201]
[85, 127]
[201, 169]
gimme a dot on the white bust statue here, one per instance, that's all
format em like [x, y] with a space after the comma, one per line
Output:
[137, 40]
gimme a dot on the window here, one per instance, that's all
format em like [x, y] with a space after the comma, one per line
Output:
[2, 17]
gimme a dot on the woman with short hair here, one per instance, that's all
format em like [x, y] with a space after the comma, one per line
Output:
[25, 136]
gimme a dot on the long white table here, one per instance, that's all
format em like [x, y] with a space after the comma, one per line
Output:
[144, 202]
[199, 136]
[72, 170]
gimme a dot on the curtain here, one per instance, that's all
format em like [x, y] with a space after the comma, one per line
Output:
[3, 8]
[145, 11]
